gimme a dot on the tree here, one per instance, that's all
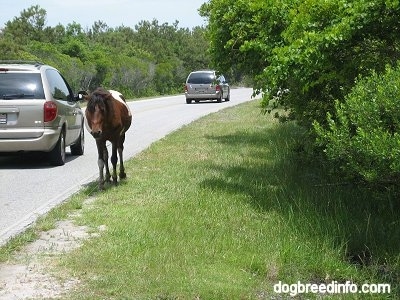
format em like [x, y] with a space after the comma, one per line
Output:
[323, 61]
[303, 54]
[150, 59]
[99, 27]
[75, 30]
[243, 34]
[28, 26]
[9, 49]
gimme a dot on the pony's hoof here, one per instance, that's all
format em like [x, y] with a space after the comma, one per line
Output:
[122, 175]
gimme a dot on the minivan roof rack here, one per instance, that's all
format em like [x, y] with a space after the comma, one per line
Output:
[20, 62]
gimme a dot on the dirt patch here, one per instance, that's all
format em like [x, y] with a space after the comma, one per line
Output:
[27, 275]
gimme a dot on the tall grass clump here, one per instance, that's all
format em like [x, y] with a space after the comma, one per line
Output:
[227, 207]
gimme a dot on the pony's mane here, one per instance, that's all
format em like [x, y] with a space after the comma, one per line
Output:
[99, 97]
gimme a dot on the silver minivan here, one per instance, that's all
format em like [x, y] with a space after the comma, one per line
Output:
[206, 85]
[38, 111]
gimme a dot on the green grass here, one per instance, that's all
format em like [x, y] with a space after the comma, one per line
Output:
[225, 208]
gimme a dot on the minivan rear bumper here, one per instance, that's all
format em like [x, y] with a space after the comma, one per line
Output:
[45, 142]
[216, 95]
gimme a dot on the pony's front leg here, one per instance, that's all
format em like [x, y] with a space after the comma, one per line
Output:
[100, 163]
[105, 159]
[114, 160]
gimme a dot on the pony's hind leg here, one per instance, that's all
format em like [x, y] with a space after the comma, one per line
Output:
[122, 174]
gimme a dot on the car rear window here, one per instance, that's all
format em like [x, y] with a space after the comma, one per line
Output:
[21, 86]
[201, 78]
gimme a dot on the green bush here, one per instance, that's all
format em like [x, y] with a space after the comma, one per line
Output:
[363, 138]
[314, 49]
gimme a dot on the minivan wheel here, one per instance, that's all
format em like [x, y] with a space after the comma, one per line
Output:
[79, 147]
[57, 155]
[188, 101]
[219, 100]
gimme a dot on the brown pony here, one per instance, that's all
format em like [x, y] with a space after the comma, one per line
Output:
[108, 118]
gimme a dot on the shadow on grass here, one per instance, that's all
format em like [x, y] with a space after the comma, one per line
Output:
[277, 176]
[92, 189]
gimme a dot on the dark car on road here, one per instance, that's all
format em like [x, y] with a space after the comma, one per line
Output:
[206, 85]
[38, 111]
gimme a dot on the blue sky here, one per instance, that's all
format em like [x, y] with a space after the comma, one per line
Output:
[113, 12]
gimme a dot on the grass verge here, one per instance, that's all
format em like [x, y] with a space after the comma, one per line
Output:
[227, 207]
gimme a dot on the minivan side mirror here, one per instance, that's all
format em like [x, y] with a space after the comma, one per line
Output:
[81, 96]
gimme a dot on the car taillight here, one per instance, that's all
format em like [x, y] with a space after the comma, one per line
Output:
[186, 88]
[218, 88]
[50, 111]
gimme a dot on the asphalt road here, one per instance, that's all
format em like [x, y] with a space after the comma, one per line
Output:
[29, 187]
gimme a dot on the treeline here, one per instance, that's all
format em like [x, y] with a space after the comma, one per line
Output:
[150, 59]
[332, 64]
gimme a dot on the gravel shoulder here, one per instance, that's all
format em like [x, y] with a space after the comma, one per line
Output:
[32, 274]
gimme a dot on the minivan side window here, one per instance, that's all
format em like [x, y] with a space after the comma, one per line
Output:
[58, 87]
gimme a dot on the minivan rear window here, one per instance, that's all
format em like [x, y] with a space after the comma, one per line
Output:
[201, 78]
[21, 86]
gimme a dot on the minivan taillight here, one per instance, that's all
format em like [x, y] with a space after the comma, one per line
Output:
[186, 88]
[218, 88]
[50, 111]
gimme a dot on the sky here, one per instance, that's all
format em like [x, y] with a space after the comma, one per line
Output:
[112, 12]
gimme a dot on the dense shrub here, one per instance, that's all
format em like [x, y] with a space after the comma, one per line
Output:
[363, 138]
[313, 49]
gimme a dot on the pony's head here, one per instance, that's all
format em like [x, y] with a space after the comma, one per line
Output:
[98, 111]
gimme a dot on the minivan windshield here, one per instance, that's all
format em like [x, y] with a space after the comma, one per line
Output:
[21, 86]
[201, 78]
